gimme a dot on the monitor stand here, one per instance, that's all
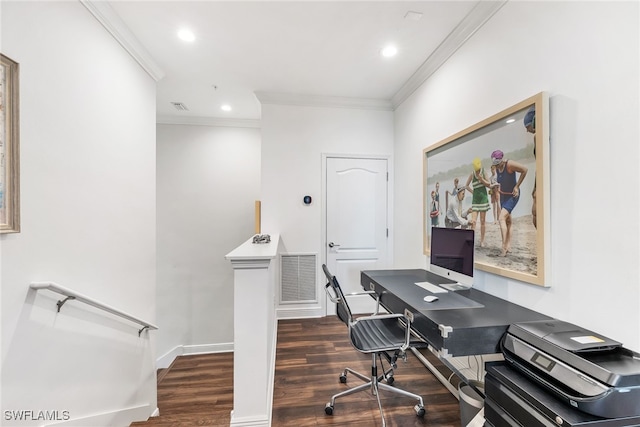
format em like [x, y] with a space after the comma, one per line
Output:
[455, 286]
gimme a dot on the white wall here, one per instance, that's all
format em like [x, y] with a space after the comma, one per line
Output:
[293, 141]
[585, 54]
[294, 138]
[208, 179]
[87, 113]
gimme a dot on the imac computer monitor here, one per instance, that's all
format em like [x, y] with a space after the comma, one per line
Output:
[452, 254]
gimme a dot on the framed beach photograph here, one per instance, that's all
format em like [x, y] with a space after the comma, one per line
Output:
[493, 177]
[9, 147]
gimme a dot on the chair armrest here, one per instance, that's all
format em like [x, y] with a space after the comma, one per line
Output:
[377, 296]
[382, 316]
[334, 298]
[331, 294]
[361, 293]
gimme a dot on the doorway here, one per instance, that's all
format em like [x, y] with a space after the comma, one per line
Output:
[357, 218]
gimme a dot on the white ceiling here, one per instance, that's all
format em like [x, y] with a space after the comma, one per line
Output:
[304, 49]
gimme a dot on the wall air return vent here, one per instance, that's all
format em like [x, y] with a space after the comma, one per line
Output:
[298, 279]
[179, 106]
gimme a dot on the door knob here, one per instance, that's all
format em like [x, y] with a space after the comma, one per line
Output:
[331, 244]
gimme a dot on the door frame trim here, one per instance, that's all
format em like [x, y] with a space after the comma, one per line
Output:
[323, 206]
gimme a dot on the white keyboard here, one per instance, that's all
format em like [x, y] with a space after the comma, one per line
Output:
[431, 288]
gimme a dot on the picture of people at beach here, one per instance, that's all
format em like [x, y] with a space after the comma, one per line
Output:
[489, 186]
[3, 133]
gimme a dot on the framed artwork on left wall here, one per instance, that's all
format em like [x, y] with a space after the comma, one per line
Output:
[9, 146]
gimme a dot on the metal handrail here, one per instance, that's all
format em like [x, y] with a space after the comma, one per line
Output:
[73, 295]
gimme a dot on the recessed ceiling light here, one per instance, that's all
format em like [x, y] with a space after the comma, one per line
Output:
[226, 107]
[186, 35]
[389, 51]
[511, 120]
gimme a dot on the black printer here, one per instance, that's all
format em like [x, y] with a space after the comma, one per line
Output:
[590, 372]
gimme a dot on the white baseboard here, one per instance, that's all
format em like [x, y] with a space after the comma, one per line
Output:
[299, 313]
[121, 417]
[208, 348]
[167, 359]
[249, 422]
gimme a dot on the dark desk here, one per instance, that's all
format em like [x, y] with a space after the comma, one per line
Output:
[467, 322]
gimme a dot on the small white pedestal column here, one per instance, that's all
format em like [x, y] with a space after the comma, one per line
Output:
[255, 270]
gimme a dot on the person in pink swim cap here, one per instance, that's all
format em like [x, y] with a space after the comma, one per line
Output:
[507, 175]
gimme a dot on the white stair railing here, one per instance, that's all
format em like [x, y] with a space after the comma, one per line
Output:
[73, 295]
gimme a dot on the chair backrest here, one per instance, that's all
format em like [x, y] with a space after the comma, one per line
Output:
[342, 307]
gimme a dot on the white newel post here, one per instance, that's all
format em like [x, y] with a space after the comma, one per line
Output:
[255, 270]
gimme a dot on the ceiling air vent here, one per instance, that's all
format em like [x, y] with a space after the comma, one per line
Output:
[179, 106]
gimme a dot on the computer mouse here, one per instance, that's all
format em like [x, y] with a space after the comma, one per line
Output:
[431, 298]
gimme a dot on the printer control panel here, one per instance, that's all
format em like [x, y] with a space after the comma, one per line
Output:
[543, 362]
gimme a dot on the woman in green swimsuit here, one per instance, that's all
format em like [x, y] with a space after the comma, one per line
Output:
[477, 184]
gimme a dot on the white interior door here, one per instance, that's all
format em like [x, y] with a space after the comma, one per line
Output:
[356, 229]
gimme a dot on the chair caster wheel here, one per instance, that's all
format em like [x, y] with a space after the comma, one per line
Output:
[328, 409]
[390, 380]
[343, 379]
[419, 410]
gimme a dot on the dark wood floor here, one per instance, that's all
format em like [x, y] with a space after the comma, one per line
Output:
[196, 390]
[310, 355]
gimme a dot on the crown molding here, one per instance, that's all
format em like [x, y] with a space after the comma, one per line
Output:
[472, 22]
[207, 121]
[475, 19]
[119, 30]
[275, 98]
